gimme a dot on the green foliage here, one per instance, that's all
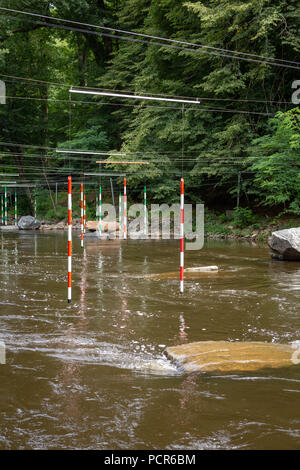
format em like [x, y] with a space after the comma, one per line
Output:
[243, 217]
[275, 159]
[209, 144]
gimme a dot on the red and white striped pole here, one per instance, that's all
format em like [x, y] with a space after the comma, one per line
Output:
[181, 234]
[69, 239]
[84, 221]
[125, 211]
[81, 214]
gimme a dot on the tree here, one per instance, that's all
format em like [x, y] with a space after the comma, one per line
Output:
[276, 162]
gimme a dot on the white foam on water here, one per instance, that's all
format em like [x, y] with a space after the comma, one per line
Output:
[143, 358]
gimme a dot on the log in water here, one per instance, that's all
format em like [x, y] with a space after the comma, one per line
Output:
[209, 356]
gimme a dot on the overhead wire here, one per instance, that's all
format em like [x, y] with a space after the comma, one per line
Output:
[245, 56]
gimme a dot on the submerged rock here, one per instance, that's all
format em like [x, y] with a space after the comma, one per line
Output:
[189, 273]
[201, 269]
[27, 222]
[93, 225]
[285, 244]
[210, 356]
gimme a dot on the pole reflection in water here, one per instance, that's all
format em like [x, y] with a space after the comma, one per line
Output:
[35, 245]
[16, 252]
[93, 375]
[83, 289]
[69, 377]
[99, 282]
[182, 328]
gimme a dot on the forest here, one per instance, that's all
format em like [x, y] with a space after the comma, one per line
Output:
[239, 59]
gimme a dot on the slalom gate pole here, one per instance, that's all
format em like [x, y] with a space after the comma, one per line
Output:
[81, 215]
[125, 210]
[145, 211]
[16, 209]
[2, 210]
[84, 214]
[181, 234]
[5, 205]
[100, 210]
[120, 215]
[69, 239]
[35, 209]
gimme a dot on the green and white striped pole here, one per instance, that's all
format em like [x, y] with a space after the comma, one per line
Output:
[97, 208]
[100, 210]
[145, 211]
[16, 209]
[120, 216]
[5, 204]
[35, 209]
[2, 210]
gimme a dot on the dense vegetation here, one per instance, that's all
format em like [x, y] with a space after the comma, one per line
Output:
[246, 128]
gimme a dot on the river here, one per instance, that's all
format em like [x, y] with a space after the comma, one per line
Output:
[93, 375]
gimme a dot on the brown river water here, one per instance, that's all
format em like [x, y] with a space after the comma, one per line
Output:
[93, 374]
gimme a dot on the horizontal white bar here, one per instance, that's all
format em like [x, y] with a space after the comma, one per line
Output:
[88, 152]
[9, 174]
[104, 174]
[136, 97]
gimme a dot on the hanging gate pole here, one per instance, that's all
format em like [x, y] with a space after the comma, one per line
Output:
[35, 208]
[125, 211]
[145, 212]
[69, 239]
[112, 192]
[100, 210]
[181, 234]
[120, 216]
[16, 209]
[84, 214]
[81, 215]
[2, 210]
[5, 205]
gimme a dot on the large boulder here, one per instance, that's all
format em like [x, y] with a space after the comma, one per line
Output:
[285, 244]
[226, 356]
[27, 222]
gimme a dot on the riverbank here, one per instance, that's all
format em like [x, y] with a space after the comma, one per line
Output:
[243, 225]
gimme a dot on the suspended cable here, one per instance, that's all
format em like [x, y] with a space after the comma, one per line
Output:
[275, 61]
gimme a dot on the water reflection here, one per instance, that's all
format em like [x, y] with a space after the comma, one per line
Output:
[94, 374]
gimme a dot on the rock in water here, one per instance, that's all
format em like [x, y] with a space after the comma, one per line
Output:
[189, 273]
[93, 225]
[28, 223]
[285, 244]
[202, 269]
[225, 356]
